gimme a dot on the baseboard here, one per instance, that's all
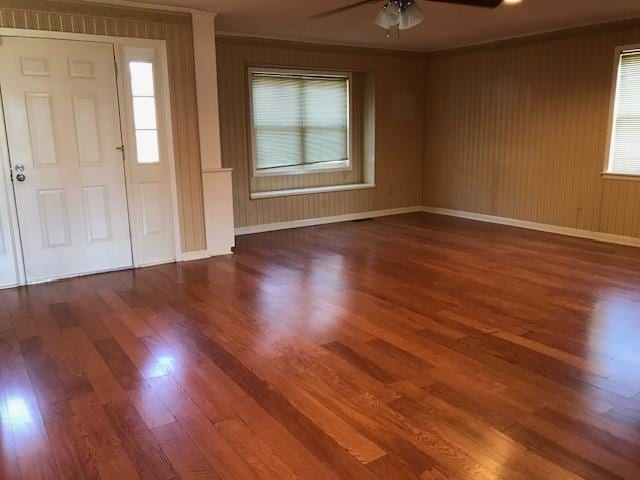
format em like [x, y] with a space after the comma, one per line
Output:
[543, 227]
[268, 227]
[191, 256]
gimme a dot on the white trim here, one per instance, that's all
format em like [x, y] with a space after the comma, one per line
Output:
[217, 189]
[216, 181]
[152, 6]
[206, 78]
[80, 37]
[621, 176]
[268, 227]
[543, 227]
[310, 190]
[619, 51]
[195, 255]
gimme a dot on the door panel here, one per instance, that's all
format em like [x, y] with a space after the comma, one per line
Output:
[148, 161]
[8, 267]
[63, 127]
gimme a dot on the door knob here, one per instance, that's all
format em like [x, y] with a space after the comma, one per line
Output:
[21, 177]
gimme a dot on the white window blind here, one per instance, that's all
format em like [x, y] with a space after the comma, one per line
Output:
[299, 120]
[625, 141]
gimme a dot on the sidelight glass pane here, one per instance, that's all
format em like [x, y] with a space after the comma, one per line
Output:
[144, 113]
[141, 79]
[147, 146]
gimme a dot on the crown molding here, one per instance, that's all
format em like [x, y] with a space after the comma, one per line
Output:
[153, 6]
[251, 40]
[526, 39]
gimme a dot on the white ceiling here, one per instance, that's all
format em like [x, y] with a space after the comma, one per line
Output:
[445, 25]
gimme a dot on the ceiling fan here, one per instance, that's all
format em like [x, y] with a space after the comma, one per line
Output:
[405, 14]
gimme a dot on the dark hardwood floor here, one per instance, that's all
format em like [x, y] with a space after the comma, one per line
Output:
[408, 347]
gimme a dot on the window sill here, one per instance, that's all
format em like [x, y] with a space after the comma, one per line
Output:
[620, 176]
[310, 190]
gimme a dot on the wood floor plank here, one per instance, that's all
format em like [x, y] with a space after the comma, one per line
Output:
[413, 347]
[185, 457]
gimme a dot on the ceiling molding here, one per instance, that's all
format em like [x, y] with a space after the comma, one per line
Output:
[319, 46]
[152, 6]
[257, 40]
[106, 9]
[537, 37]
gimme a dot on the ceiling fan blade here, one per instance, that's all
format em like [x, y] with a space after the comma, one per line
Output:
[342, 9]
[472, 3]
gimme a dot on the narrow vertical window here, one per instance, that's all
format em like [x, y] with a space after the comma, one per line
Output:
[624, 156]
[144, 112]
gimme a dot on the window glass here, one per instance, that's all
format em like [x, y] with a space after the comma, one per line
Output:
[624, 157]
[300, 120]
[144, 112]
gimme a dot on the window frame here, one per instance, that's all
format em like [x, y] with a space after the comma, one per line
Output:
[607, 173]
[303, 169]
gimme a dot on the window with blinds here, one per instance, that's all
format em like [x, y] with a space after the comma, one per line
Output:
[300, 121]
[624, 155]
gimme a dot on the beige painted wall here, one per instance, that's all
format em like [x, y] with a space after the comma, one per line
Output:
[399, 127]
[175, 28]
[519, 129]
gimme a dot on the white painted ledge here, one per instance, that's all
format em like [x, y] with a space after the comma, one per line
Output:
[620, 176]
[310, 190]
[218, 210]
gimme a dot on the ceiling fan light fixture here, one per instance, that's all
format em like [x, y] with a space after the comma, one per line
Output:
[388, 16]
[410, 17]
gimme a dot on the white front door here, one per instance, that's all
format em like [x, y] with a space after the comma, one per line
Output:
[63, 130]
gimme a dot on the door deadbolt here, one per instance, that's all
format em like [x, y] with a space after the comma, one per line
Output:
[21, 177]
[19, 167]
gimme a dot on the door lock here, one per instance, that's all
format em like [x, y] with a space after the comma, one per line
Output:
[19, 167]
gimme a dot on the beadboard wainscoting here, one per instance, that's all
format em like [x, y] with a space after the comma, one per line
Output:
[399, 130]
[525, 135]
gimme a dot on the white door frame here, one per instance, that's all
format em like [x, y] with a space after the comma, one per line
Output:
[119, 45]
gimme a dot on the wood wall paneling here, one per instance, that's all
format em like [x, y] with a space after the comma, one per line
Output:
[399, 129]
[175, 29]
[523, 136]
[519, 130]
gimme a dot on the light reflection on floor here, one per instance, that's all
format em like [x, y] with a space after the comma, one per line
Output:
[614, 335]
[160, 366]
[17, 412]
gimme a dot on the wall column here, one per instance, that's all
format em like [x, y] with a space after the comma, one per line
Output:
[216, 181]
